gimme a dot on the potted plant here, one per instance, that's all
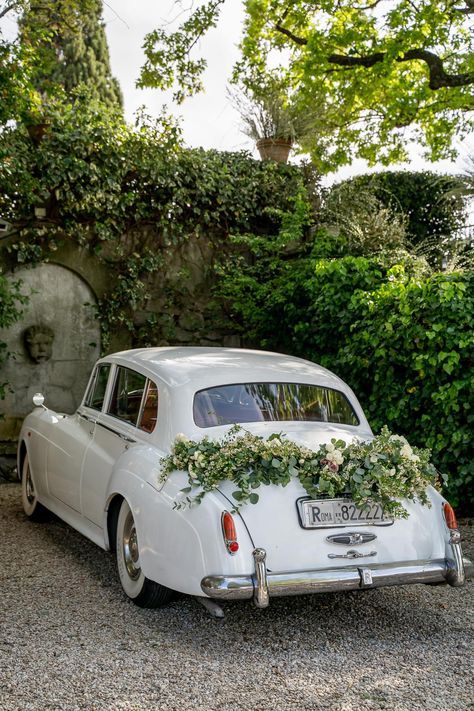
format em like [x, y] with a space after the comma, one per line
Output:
[270, 119]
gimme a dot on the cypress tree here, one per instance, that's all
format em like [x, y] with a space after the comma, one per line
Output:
[71, 45]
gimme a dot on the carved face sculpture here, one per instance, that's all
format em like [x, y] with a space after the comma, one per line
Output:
[39, 343]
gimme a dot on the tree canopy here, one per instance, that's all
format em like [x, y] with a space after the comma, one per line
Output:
[60, 46]
[364, 70]
[71, 48]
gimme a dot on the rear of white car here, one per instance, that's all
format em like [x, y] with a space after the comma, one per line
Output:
[291, 559]
[292, 544]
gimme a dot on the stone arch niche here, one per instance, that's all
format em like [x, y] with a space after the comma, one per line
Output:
[53, 346]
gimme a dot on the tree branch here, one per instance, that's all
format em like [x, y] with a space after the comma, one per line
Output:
[297, 40]
[438, 77]
[7, 9]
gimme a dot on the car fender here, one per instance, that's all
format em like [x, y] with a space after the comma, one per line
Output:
[178, 546]
[34, 437]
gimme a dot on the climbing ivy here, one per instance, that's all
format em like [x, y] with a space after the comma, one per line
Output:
[11, 299]
[131, 196]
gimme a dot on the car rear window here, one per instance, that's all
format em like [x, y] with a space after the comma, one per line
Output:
[271, 402]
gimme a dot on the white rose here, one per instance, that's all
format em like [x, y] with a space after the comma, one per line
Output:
[180, 437]
[406, 451]
[398, 438]
[338, 456]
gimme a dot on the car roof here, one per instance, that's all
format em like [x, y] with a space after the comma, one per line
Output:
[206, 366]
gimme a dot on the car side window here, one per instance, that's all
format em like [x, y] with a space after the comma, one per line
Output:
[127, 395]
[96, 394]
[149, 413]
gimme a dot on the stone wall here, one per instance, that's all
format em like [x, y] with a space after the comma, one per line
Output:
[57, 340]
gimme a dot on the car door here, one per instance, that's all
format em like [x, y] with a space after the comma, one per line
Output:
[131, 411]
[73, 435]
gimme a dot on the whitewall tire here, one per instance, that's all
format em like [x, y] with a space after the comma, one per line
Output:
[31, 506]
[141, 590]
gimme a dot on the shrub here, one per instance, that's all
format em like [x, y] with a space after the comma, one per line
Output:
[401, 336]
[432, 205]
[410, 355]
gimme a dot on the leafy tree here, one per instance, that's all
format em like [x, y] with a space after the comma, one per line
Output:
[371, 67]
[71, 46]
[15, 67]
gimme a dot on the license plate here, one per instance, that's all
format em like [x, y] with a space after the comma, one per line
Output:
[326, 513]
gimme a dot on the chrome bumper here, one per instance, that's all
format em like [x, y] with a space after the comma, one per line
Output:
[263, 584]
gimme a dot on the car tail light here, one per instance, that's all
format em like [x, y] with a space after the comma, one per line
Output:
[229, 532]
[450, 516]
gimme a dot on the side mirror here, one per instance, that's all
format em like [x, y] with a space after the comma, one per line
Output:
[38, 400]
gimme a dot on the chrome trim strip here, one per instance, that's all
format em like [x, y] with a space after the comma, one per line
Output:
[329, 580]
[126, 438]
[87, 417]
[352, 554]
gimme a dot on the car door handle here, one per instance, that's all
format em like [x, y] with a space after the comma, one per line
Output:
[125, 437]
[88, 418]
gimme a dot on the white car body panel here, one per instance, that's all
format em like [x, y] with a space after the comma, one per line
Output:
[79, 463]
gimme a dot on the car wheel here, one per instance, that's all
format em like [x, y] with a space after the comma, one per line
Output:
[31, 506]
[141, 590]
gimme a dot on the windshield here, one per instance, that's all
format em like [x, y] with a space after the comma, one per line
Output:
[271, 402]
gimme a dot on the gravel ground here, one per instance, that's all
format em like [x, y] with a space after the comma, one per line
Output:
[70, 640]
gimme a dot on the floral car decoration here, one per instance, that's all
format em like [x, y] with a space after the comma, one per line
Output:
[383, 471]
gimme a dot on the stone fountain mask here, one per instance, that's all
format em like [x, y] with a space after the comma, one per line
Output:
[38, 342]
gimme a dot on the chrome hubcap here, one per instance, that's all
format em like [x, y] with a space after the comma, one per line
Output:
[29, 488]
[130, 548]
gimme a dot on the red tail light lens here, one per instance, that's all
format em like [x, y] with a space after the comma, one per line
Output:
[229, 533]
[450, 516]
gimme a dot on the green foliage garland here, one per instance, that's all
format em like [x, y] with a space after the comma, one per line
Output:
[382, 471]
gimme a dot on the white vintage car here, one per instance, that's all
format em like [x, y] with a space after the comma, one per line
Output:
[99, 470]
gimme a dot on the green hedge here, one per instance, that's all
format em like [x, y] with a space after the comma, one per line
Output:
[404, 340]
[410, 355]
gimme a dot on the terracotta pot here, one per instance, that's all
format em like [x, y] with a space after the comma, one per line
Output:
[274, 149]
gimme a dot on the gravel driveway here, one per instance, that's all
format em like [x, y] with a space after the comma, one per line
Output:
[70, 640]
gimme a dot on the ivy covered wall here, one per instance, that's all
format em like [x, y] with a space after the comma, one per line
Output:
[134, 210]
[140, 219]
